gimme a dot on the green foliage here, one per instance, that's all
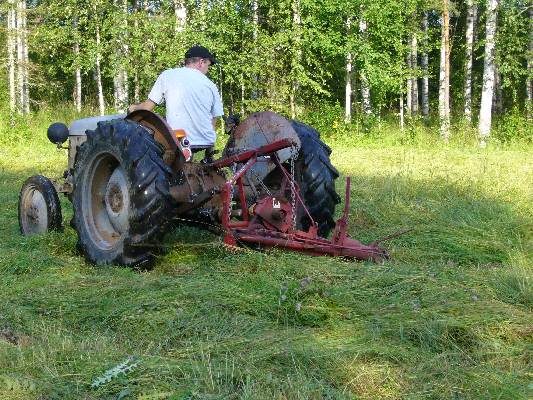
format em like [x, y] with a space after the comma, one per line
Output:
[264, 60]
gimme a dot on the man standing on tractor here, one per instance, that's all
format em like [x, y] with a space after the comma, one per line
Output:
[193, 102]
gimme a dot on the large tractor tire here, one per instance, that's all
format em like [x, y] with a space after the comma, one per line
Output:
[315, 175]
[121, 194]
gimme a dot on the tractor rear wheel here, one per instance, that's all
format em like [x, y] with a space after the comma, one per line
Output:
[121, 194]
[315, 176]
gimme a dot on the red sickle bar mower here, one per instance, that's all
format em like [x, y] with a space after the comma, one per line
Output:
[271, 224]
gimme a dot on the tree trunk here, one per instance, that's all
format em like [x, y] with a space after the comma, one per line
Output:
[425, 71]
[180, 13]
[414, 67]
[470, 29]
[26, 59]
[120, 80]
[529, 80]
[444, 76]
[136, 82]
[242, 94]
[98, 72]
[348, 89]
[255, 35]
[296, 20]
[485, 112]
[497, 99]
[401, 109]
[77, 73]
[365, 88]
[11, 49]
[22, 57]
[409, 99]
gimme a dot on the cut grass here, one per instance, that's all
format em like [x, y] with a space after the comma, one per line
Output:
[449, 316]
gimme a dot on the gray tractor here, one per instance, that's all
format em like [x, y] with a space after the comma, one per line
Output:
[129, 176]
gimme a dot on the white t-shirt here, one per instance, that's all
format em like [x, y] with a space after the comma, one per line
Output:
[192, 101]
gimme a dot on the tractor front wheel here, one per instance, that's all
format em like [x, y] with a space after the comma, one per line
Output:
[121, 194]
[39, 207]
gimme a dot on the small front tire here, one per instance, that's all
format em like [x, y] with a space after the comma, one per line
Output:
[39, 210]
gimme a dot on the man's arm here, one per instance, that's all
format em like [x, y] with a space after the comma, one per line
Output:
[214, 122]
[145, 105]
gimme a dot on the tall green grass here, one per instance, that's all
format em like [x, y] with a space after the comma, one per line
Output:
[449, 316]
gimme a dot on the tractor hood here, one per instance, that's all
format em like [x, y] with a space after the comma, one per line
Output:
[78, 127]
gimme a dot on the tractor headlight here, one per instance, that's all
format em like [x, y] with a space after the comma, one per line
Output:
[58, 133]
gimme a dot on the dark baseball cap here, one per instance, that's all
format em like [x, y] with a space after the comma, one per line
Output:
[202, 52]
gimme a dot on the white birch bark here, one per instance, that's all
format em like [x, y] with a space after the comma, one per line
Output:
[401, 109]
[136, 81]
[25, 59]
[20, 59]
[11, 49]
[97, 71]
[365, 88]
[485, 112]
[409, 100]
[414, 67]
[471, 18]
[121, 77]
[348, 88]
[180, 14]
[444, 75]
[77, 72]
[425, 71]
[296, 20]
[529, 79]
[255, 35]
[242, 94]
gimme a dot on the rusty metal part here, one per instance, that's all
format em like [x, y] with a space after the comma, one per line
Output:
[260, 129]
[197, 187]
[274, 213]
[269, 222]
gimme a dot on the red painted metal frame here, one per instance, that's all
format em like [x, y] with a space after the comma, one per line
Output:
[307, 242]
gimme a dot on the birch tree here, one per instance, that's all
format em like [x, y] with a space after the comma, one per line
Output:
[297, 53]
[348, 86]
[365, 87]
[97, 66]
[77, 72]
[409, 93]
[425, 70]
[444, 75]
[471, 18]
[120, 80]
[485, 112]
[529, 78]
[11, 49]
[22, 58]
[414, 68]
[180, 15]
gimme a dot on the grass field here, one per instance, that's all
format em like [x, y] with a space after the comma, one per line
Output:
[449, 316]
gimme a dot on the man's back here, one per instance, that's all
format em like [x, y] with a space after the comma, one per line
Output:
[192, 101]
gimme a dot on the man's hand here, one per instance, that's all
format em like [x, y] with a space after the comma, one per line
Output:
[145, 105]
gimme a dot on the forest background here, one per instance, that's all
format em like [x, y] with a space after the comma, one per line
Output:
[343, 66]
